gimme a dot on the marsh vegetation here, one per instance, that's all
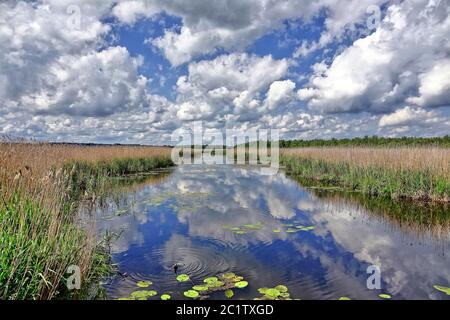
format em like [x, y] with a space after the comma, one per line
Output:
[40, 189]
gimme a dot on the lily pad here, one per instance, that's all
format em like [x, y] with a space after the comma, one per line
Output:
[215, 284]
[228, 276]
[446, 290]
[143, 294]
[263, 290]
[291, 230]
[191, 294]
[384, 296]
[126, 298]
[235, 229]
[165, 296]
[238, 278]
[282, 288]
[276, 230]
[272, 293]
[241, 284]
[144, 284]
[183, 278]
[229, 293]
[200, 288]
[211, 279]
[344, 298]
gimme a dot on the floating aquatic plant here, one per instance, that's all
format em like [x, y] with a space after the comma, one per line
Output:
[229, 275]
[144, 284]
[272, 293]
[213, 282]
[143, 294]
[385, 296]
[191, 294]
[281, 288]
[241, 284]
[291, 230]
[200, 288]
[276, 230]
[165, 296]
[344, 298]
[280, 292]
[211, 279]
[223, 282]
[182, 278]
[446, 290]
[229, 293]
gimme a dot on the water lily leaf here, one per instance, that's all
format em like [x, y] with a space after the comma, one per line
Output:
[309, 228]
[229, 293]
[263, 290]
[165, 296]
[200, 288]
[228, 276]
[241, 284]
[384, 296]
[191, 294]
[215, 284]
[276, 230]
[287, 225]
[211, 279]
[238, 278]
[284, 295]
[272, 293]
[144, 284]
[281, 288]
[183, 278]
[240, 232]
[235, 229]
[126, 298]
[446, 290]
[344, 298]
[143, 294]
[291, 230]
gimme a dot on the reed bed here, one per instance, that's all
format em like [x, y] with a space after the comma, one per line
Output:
[40, 185]
[421, 173]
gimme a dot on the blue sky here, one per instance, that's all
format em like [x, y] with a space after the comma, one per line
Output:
[136, 71]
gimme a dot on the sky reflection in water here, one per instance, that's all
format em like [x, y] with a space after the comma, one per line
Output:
[181, 220]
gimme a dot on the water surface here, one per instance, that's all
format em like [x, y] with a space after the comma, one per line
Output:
[186, 217]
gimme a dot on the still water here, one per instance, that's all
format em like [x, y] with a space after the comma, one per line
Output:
[211, 220]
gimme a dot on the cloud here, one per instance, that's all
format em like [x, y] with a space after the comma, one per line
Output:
[50, 66]
[280, 91]
[387, 68]
[434, 87]
[407, 116]
[231, 85]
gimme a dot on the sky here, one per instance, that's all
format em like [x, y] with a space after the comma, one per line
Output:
[138, 71]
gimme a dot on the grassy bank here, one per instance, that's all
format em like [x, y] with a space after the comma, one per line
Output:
[40, 186]
[419, 173]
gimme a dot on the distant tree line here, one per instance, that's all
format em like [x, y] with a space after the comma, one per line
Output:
[368, 141]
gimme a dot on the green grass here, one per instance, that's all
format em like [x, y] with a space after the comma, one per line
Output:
[374, 181]
[40, 236]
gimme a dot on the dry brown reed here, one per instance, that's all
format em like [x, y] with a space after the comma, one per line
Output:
[434, 159]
